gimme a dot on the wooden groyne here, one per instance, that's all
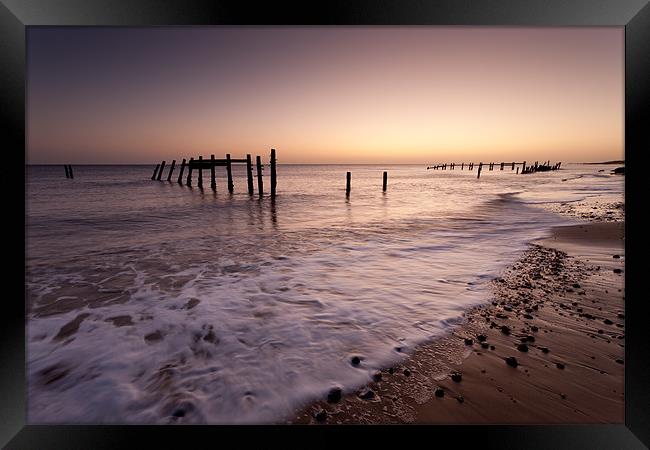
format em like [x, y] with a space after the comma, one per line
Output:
[199, 164]
[545, 167]
[68, 171]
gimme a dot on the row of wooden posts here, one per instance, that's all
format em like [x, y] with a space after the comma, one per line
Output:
[211, 163]
[524, 169]
[68, 171]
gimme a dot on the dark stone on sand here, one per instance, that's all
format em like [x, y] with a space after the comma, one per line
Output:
[511, 361]
[179, 413]
[492, 347]
[617, 271]
[484, 344]
[563, 396]
[468, 341]
[534, 328]
[192, 303]
[153, 337]
[528, 316]
[457, 377]
[407, 372]
[439, 393]
[391, 371]
[607, 322]
[501, 316]
[505, 329]
[321, 415]
[522, 347]
[576, 285]
[530, 338]
[366, 394]
[376, 376]
[620, 316]
[334, 395]
[70, 328]
[460, 399]
[559, 366]
[481, 338]
[507, 308]
[620, 361]
[398, 349]
[355, 361]
[616, 256]
[544, 349]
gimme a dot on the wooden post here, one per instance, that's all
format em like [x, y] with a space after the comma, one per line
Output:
[385, 181]
[471, 166]
[260, 182]
[348, 176]
[517, 170]
[231, 186]
[162, 167]
[213, 179]
[70, 170]
[67, 175]
[462, 165]
[480, 167]
[513, 166]
[274, 179]
[189, 173]
[501, 166]
[171, 170]
[249, 174]
[180, 175]
[200, 183]
[523, 167]
[155, 172]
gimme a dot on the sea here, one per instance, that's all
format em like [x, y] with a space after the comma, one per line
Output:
[151, 302]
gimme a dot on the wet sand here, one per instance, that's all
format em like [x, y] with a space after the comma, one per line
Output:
[549, 348]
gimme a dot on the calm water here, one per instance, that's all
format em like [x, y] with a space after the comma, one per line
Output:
[240, 309]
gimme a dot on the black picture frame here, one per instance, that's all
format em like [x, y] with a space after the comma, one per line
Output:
[17, 15]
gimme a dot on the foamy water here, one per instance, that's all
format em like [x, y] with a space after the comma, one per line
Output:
[219, 308]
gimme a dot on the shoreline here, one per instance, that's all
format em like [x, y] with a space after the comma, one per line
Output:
[558, 311]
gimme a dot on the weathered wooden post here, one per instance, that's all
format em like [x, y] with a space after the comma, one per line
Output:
[260, 182]
[200, 183]
[462, 165]
[274, 179]
[517, 170]
[452, 166]
[189, 172]
[480, 167]
[155, 172]
[213, 178]
[180, 175]
[471, 166]
[67, 175]
[385, 181]
[513, 166]
[348, 177]
[231, 186]
[70, 170]
[171, 170]
[523, 167]
[249, 174]
[162, 167]
[501, 166]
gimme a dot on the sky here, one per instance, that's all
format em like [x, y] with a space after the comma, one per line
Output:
[325, 94]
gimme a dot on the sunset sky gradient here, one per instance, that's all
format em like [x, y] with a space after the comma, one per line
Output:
[325, 94]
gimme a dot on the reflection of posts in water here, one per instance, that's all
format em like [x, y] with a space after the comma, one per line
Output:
[347, 184]
[274, 217]
[260, 182]
[171, 170]
[180, 175]
[155, 171]
[189, 173]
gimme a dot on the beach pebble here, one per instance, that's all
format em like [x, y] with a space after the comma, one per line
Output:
[391, 371]
[544, 349]
[355, 361]
[528, 316]
[321, 415]
[620, 316]
[481, 338]
[534, 328]
[492, 347]
[607, 322]
[439, 393]
[616, 256]
[511, 361]
[620, 361]
[366, 394]
[376, 376]
[460, 399]
[617, 271]
[468, 341]
[522, 347]
[559, 366]
[457, 377]
[407, 372]
[484, 344]
[334, 395]
[505, 329]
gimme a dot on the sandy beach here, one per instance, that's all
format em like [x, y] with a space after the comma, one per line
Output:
[549, 348]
